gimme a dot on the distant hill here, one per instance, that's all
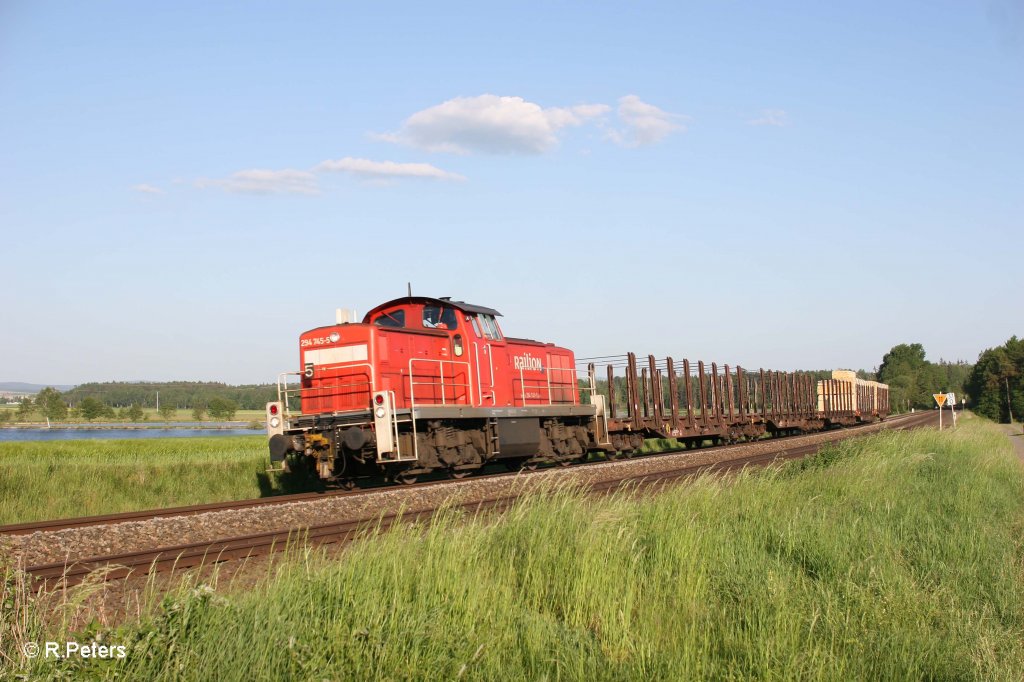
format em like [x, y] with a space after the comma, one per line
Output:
[181, 394]
[22, 387]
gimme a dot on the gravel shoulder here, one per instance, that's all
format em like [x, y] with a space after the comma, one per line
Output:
[74, 544]
[1014, 433]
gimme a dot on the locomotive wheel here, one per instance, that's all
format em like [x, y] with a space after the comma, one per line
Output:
[347, 484]
[611, 455]
[404, 478]
[456, 474]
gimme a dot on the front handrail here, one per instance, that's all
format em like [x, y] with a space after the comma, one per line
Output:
[571, 385]
[453, 384]
[284, 394]
[490, 372]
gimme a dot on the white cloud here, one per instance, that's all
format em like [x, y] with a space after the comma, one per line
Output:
[770, 117]
[490, 124]
[260, 181]
[463, 125]
[147, 189]
[382, 170]
[645, 123]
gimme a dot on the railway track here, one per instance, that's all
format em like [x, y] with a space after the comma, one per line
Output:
[190, 555]
[30, 527]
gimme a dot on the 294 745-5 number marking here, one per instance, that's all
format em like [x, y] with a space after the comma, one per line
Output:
[320, 340]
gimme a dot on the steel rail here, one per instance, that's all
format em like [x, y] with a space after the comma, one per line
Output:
[191, 555]
[29, 527]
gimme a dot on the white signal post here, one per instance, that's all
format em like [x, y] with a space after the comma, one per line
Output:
[940, 400]
[951, 401]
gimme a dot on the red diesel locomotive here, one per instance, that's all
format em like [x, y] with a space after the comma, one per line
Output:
[423, 384]
[430, 384]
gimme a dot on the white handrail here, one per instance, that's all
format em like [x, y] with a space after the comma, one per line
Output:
[283, 393]
[571, 385]
[479, 383]
[440, 363]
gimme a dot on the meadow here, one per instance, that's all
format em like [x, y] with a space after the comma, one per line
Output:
[56, 479]
[894, 556]
[42, 480]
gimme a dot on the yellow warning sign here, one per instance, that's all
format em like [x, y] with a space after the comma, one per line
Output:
[940, 398]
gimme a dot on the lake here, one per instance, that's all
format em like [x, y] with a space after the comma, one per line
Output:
[11, 435]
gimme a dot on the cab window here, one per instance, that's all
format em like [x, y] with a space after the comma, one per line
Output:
[490, 328]
[476, 326]
[395, 318]
[448, 318]
[439, 317]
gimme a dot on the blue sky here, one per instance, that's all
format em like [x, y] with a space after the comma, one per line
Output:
[185, 187]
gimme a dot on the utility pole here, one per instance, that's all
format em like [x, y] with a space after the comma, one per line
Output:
[158, 401]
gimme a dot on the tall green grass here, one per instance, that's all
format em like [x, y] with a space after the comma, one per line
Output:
[57, 479]
[896, 556]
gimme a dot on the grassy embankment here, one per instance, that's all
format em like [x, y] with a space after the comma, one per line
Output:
[110, 476]
[56, 479]
[896, 556]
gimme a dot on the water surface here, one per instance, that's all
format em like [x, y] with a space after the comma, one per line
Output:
[11, 435]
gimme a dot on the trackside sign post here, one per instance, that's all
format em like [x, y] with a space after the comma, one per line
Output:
[940, 400]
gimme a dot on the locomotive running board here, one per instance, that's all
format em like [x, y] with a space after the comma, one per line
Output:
[467, 412]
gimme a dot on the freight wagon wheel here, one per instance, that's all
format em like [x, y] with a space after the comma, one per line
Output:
[456, 474]
[405, 478]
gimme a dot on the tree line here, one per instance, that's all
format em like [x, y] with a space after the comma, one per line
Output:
[181, 394]
[996, 382]
[126, 401]
[913, 379]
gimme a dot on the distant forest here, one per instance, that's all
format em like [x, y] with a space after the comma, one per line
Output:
[180, 394]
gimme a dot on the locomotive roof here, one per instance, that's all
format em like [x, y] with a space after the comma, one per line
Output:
[445, 300]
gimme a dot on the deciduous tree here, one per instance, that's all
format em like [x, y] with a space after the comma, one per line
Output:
[912, 379]
[25, 409]
[996, 384]
[51, 405]
[91, 408]
[223, 408]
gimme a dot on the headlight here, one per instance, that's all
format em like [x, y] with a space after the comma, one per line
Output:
[275, 422]
[379, 412]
